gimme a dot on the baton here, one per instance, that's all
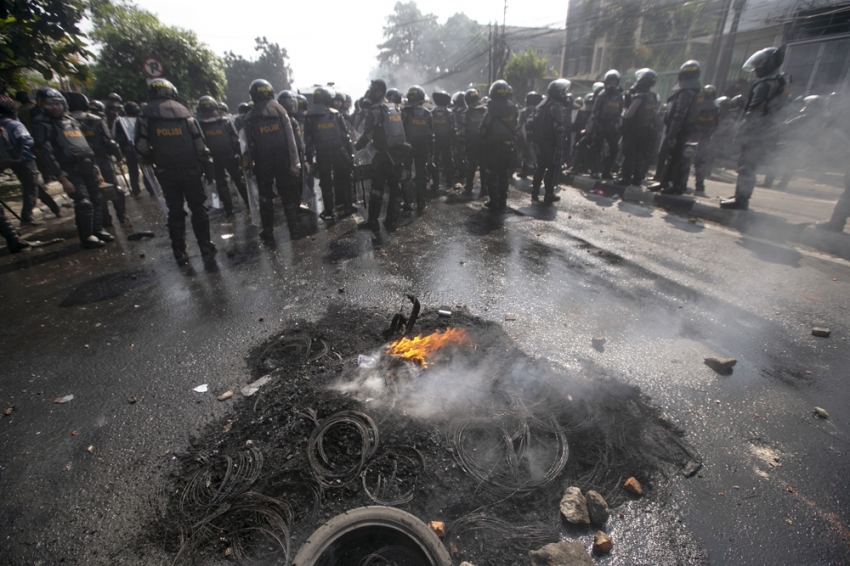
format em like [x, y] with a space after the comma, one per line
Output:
[15, 214]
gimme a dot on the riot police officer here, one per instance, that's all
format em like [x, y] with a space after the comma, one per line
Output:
[241, 110]
[327, 141]
[458, 152]
[222, 140]
[275, 158]
[100, 140]
[551, 128]
[97, 108]
[707, 120]
[289, 101]
[167, 134]
[580, 147]
[62, 146]
[114, 108]
[526, 124]
[499, 130]
[639, 128]
[757, 129]
[604, 125]
[384, 128]
[471, 140]
[419, 132]
[123, 131]
[442, 120]
[680, 120]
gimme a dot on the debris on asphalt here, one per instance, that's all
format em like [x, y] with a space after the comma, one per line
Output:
[790, 489]
[90, 449]
[721, 365]
[691, 468]
[65, 399]
[226, 395]
[597, 508]
[633, 485]
[453, 551]
[438, 527]
[821, 332]
[465, 563]
[444, 313]
[692, 220]
[67, 467]
[201, 388]
[261, 319]
[139, 235]
[574, 507]
[602, 543]
[820, 413]
[253, 387]
[74, 432]
[598, 342]
[227, 426]
[561, 554]
[9, 411]
[366, 361]
[132, 399]
[510, 316]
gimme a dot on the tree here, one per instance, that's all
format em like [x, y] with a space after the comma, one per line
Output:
[127, 35]
[523, 70]
[272, 65]
[41, 36]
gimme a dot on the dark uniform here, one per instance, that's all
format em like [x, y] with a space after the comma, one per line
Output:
[499, 130]
[640, 133]
[707, 120]
[222, 140]
[123, 130]
[114, 109]
[62, 146]
[526, 124]
[604, 125]
[167, 134]
[471, 139]
[419, 132]
[327, 141]
[442, 120]
[581, 148]
[458, 152]
[384, 128]
[274, 153]
[680, 121]
[551, 128]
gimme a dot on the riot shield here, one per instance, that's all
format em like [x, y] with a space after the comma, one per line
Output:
[213, 201]
[147, 171]
[250, 180]
[311, 194]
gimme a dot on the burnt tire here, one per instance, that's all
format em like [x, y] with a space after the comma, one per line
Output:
[385, 525]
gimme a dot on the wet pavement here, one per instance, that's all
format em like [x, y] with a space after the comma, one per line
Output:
[78, 478]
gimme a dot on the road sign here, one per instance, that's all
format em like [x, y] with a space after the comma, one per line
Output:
[153, 68]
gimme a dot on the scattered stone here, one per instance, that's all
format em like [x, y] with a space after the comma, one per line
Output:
[574, 507]
[598, 341]
[820, 413]
[438, 527]
[74, 432]
[261, 319]
[561, 554]
[453, 551]
[9, 411]
[227, 426]
[721, 365]
[601, 543]
[510, 316]
[597, 508]
[90, 449]
[132, 399]
[201, 388]
[228, 551]
[691, 468]
[790, 489]
[341, 289]
[226, 395]
[633, 486]
[252, 388]
[65, 399]
[465, 563]
[692, 220]
[821, 332]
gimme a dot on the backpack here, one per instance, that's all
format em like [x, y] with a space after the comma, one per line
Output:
[8, 152]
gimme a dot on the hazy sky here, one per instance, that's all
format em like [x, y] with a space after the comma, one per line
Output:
[329, 40]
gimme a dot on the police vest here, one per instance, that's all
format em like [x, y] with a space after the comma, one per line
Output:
[695, 108]
[645, 116]
[393, 125]
[530, 132]
[71, 140]
[417, 129]
[217, 138]
[92, 129]
[441, 120]
[707, 116]
[171, 142]
[472, 123]
[611, 107]
[776, 85]
[504, 121]
[325, 130]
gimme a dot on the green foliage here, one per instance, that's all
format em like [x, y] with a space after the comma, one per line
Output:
[41, 36]
[127, 35]
[523, 70]
[271, 65]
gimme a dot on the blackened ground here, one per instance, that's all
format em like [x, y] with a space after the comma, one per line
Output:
[611, 429]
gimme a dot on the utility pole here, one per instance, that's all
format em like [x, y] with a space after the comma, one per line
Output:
[717, 41]
[729, 46]
[489, 53]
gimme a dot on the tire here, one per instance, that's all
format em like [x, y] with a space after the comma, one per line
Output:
[319, 550]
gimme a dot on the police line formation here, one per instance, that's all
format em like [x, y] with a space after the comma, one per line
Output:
[278, 143]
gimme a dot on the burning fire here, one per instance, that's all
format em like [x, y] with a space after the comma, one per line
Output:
[422, 347]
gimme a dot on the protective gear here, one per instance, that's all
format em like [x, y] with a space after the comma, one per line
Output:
[471, 97]
[722, 103]
[559, 88]
[323, 95]
[709, 92]
[224, 107]
[243, 108]
[302, 102]
[338, 100]
[161, 88]
[645, 79]
[394, 95]
[533, 98]
[393, 125]
[415, 94]
[288, 100]
[171, 142]
[51, 101]
[261, 89]
[207, 104]
[114, 97]
[458, 100]
[737, 101]
[132, 109]
[765, 62]
[501, 90]
[97, 107]
[596, 86]
[612, 78]
[689, 75]
[441, 98]
[77, 101]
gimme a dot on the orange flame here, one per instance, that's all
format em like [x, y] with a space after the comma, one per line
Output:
[420, 348]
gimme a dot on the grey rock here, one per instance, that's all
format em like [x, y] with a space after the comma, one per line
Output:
[597, 508]
[821, 332]
[574, 507]
[721, 365]
[821, 413]
[561, 554]
[691, 468]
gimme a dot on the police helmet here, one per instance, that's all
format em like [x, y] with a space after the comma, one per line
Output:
[689, 70]
[645, 78]
[459, 100]
[377, 90]
[242, 108]
[722, 102]
[441, 98]
[597, 85]
[737, 101]
[471, 97]
[579, 102]
[323, 95]
[207, 103]
[814, 103]
[394, 95]
[302, 101]
[415, 94]
[51, 101]
[261, 89]
[131, 108]
[533, 98]
[77, 101]
[224, 107]
[709, 92]
[339, 100]
[501, 90]
[161, 88]
[765, 62]
[588, 100]
[286, 98]
[612, 78]
[348, 102]
[98, 107]
[114, 97]
[364, 103]
[559, 88]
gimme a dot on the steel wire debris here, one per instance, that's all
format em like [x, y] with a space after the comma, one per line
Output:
[326, 472]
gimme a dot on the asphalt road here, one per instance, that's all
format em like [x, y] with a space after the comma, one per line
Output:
[105, 325]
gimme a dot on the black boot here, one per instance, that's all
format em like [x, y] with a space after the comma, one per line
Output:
[267, 222]
[291, 212]
[375, 204]
[13, 239]
[391, 219]
[83, 215]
